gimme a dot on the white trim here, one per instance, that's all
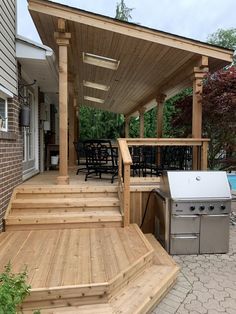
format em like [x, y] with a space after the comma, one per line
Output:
[36, 125]
[5, 129]
[6, 92]
[29, 174]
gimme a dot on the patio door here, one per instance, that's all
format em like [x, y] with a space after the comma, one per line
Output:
[30, 140]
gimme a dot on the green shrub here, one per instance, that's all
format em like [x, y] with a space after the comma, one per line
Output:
[13, 290]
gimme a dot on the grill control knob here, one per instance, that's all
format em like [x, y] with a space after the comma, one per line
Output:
[202, 207]
[222, 207]
[192, 208]
[211, 207]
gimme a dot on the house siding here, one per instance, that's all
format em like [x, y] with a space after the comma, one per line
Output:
[11, 152]
[11, 145]
[8, 65]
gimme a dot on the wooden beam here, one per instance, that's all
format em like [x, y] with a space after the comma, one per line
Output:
[174, 77]
[141, 122]
[144, 33]
[63, 177]
[127, 121]
[61, 24]
[160, 106]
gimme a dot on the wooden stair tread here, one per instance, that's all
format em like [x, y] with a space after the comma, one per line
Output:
[143, 293]
[161, 256]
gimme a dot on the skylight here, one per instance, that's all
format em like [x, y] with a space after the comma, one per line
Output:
[100, 61]
[100, 101]
[96, 85]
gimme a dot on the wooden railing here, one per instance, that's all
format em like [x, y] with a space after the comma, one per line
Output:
[125, 161]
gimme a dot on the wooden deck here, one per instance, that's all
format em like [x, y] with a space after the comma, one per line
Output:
[86, 266]
[79, 257]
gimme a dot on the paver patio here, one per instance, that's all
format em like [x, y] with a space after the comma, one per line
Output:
[206, 284]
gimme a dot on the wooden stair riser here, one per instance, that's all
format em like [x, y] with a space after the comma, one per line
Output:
[44, 304]
[56, 189]
[65, 195]
[64, 203]
[43, 219]
[130, 274]
[58, 226]
[62, 210]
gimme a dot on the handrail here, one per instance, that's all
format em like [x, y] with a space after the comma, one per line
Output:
[166, 141]
[124, 186]
[125, 153]
[125, 160]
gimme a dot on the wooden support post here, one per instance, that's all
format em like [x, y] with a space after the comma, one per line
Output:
[199, 73]
[141, 122]
[62, 40]
[204, 156]
[160, 99]
[127, 121]
[126, 195]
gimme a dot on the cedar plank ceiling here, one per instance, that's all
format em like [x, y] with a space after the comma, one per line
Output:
[145, 68]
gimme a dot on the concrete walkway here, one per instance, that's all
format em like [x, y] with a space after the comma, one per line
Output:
[206, 284]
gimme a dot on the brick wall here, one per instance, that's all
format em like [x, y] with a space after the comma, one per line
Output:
[11, 151]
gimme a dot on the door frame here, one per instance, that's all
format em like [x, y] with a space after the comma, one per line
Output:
[35, 169]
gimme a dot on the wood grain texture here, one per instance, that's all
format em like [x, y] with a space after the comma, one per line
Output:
[148, 58]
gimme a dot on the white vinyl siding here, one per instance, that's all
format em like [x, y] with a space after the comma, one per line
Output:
[8, 65]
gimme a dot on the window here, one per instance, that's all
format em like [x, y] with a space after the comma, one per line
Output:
[3, 114]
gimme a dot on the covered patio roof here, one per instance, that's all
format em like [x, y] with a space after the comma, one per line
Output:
[145, 62]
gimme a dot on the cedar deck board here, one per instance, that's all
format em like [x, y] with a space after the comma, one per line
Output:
[140, 295]
[69, 247]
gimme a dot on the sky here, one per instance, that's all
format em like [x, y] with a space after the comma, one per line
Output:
[190, 18]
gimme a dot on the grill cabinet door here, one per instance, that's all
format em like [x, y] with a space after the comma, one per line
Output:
[184, 243]
[185, 224]
[214, 234]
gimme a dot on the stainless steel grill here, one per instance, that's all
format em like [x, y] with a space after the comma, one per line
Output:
[192, 215]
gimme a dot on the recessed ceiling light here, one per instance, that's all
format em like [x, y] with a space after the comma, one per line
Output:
[96, 85]
[100, 101]
[100, 61]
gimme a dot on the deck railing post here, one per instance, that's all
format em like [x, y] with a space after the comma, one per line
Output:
[126, 195]
[204, 156]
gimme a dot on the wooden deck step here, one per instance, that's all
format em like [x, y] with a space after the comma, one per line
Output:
[140, 295]
[42, 220]
[65, 189]
[55, 207]
[76, 203]
[83, 309]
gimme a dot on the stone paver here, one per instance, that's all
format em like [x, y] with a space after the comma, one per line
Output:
[206, 284]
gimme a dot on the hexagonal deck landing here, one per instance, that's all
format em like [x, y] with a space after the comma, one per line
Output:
[79, 267]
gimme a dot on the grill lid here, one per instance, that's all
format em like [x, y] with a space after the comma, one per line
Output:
[198, 185]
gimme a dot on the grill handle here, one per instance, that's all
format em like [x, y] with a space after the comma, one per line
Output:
[219, 215]
[185, 216]
[184, 237]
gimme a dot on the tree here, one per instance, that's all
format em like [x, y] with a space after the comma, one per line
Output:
[219, 113]
[223, 37]
[123, 13]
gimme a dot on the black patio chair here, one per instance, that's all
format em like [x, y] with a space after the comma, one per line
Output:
[100, 159]
[79, 148]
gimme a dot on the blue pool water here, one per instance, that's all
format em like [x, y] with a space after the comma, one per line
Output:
[232, 181]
